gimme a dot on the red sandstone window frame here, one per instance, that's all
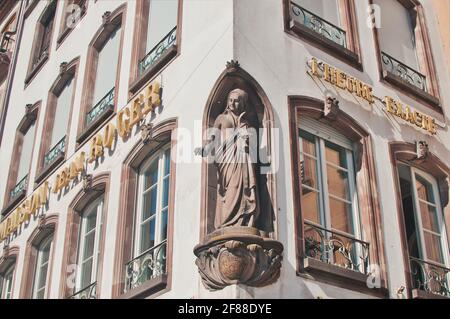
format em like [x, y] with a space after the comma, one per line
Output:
[67, 72]
[431, 98]
[30, 118]
[347, 12]
[9, 259]
[139, 47]
[162, 135]
[111, 21]
[369, 209]
[37, 62]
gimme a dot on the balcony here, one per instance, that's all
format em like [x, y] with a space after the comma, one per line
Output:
[7, 42]
[147, 270]
[405, 77]
[102, 107]
[429, 280]
[19, 189]
[51, 159]
[90, 292]
[159, 56]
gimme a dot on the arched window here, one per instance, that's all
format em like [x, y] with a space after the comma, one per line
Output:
[424, 218]
[102, 73]
[144, 231]
[42, 264]
[7, 272]
[81, 271]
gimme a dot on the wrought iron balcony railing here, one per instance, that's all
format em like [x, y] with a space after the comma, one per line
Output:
[336, 248]
[19, 188]
[430, 277]
[403, 71]
[157, 52]
[101, 107]
[151, 264]
[318, 25]
[90, 292]
[7, 39]
[56, 151]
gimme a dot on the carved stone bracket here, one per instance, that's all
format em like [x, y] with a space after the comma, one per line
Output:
[41, 222]
[233, 66]
[421, 150]
[238, 255]
[62, 68]
[106, 18]
[146, 132]
[331, 107]
[87, 182]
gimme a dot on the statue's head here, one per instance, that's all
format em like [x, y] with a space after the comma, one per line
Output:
[237, 101]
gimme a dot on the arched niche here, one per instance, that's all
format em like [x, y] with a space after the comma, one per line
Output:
[261, 117]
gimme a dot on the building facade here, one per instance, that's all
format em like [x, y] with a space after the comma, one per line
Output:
[105, 116]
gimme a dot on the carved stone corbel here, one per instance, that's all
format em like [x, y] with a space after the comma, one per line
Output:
[63, 68]
[29, 114]
[41, 222]
[422, 151]
[331, 107]
[87, 182]
[106, 18]
[233, 66]
[146, 132]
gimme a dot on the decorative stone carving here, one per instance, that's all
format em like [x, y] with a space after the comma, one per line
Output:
[29, 114]
[146, 132]
[331, 107]
[106, 18]
[238, 255]
[233, 64]
[87, 182]
[421, 150]
[237, 252]
[41, 222]
[63, 68]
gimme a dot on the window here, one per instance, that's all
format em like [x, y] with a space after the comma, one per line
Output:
[102, 74]
[42, 265]
[89, 247]
[8, 36]
[329, 202]
[145, 225]
[42, 40]
[57, 120]
[328, 24]
[406, 59]
[156, 38]
[151, 220]
[6, 283]
[73, 12]
[21, 158]
[425, 230]
[333, 172]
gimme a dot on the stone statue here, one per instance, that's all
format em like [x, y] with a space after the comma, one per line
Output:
[234, 149]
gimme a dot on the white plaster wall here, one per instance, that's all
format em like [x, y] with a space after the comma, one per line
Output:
[214, 32]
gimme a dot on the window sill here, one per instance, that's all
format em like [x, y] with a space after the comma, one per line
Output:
[45, 171]
[95, 125]
[338, 276]
[330, 47]
[12, 204]
[36, 68]
[422, 294]
[152, 71]
[401, 84]
[146, 289]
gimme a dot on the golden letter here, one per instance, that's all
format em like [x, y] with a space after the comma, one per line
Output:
[108, 136]
[123, 124]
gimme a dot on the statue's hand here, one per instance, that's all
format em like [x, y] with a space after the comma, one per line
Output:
[199, 151]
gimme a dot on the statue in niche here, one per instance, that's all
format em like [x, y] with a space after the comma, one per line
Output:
[233, 144]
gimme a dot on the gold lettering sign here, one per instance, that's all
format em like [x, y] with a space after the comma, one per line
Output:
[341, 80]
[69, 173]
[405, 112]
[22, 213]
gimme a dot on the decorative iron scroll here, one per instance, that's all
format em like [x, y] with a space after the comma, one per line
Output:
[157, 52]
[101, 107]
[90, 292]
[20, 187]
[53, 154]
[430, 277]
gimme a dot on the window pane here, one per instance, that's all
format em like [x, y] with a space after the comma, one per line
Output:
[162, 19]
[108, 59]
[150, 200]
[167, 162]
[62, 114]
[91, 220]
[165, 195]
[147, 235]
[397, 32]
[307, 143]
[27, 151]
[336, 155]
[429, 217]
[151, 175]
[310, 205]
[337, 181]
[326, 9]
[40, 294]
[433, 247]
[309, 172]
[89, 241]
[42, 277]
[164, 225]
[424, 189]
[340, 215]
[86, 273]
